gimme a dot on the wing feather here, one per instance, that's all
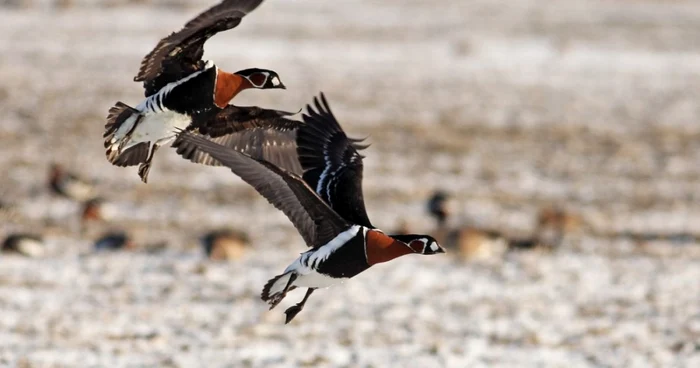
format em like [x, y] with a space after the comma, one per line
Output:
[317, 223]
[270, 144]
[233, 119]
[180, 53]
[263, 134]
[331, 162]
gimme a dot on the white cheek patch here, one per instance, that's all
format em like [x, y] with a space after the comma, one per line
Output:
[434, 247]
[276, 81]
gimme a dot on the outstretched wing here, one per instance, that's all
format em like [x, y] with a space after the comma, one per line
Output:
[180, 54]
[217, 122]
[317, 223]
[260, 133]
[272, 144]
[331, 162]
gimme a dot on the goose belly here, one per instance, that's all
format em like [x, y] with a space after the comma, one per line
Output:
[314, 279]
[159, 127]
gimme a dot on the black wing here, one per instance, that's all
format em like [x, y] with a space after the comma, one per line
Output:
[272, 144]
[260, 133]
[231, 119]
[317, 223]
[180, 54]
[331, 163]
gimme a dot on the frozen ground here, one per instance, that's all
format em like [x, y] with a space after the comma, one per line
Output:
[588, 105]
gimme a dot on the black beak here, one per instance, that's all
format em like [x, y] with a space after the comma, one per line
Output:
[282, 86]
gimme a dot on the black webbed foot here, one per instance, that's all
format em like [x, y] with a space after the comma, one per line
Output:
[292, 312]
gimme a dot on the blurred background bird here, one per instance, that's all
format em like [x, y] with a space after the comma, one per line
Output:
[68, 184]
[113, 241]
[225, 244]
[25, 244]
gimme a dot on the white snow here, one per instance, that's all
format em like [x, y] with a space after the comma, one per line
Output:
[511, 106]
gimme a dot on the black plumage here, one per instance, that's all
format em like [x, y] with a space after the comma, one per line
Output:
[193, 95]
[331, 162]
[179, 84]
[348, 261]
[232, 119]
[317, 223]
[180, 54]
[132, 155]
[113, 241]
[272, 143]
[331, 218]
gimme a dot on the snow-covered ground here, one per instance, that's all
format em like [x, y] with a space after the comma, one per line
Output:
[587, 105]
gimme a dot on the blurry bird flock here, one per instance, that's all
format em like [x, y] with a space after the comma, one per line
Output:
[304, 164]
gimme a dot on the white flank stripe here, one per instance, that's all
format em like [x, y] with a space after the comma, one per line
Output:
[151, 105]
[320, 255]
[158, 124]
[306, 275]
[169, 87]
